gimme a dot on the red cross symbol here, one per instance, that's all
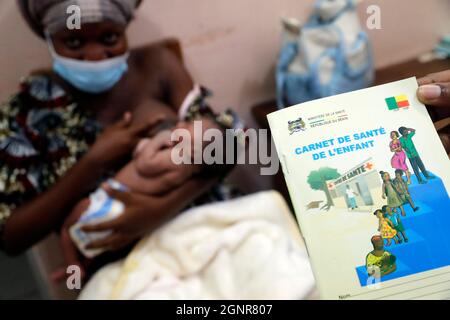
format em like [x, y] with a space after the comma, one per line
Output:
[368, 166]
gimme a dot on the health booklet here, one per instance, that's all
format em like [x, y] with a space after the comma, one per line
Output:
[369, 180]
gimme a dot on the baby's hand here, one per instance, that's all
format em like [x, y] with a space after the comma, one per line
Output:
[161, 174]
[191, 141]
[146, 158]
[153, 161]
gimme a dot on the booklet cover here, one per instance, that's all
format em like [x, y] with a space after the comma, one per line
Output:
[369, 180]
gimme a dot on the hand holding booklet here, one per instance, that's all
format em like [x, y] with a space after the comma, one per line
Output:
[369, 180]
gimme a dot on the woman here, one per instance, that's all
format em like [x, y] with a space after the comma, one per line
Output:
[69, 128]
[398, 160]
[380, 262]
[390, 193]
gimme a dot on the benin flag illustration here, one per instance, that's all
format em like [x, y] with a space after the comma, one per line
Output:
[397, 102]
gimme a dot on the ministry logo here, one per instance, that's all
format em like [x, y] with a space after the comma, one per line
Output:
[296, 126]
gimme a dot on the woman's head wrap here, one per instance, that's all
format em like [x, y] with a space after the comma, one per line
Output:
[51, 15]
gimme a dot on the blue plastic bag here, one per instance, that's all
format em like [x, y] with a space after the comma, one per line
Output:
[321, 61]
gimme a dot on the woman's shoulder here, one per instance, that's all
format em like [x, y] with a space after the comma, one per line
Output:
[42, 134]
[157, 55]
[38, 90]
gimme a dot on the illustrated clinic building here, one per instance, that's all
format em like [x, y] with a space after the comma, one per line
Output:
[364, 180]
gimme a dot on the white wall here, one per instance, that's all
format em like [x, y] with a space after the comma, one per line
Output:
[231, 45]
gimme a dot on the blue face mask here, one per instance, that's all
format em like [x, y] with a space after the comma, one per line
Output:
[90, 76]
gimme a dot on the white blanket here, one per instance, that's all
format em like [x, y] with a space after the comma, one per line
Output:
[248, 248]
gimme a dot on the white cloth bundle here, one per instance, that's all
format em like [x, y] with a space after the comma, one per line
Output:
[248, 248]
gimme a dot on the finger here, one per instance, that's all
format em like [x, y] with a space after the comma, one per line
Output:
[149, 147]
[435, 94]
[58, 275]
[126, 120]
[143, 143]
[110, 225]
[165, 182]
[443, 76]
[162, 140]
[70, 252]
[121, 242]
[112, 241]
[184, 192]
[144, 128]
[158, 165]
[122, 196]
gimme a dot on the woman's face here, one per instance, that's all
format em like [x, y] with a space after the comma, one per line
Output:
[386, 176]
[93, 42]
[394, 135]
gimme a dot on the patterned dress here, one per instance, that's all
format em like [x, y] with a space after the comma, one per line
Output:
[398, 161]
[383, 262]
[387, 232]
[393, 198]
[402, 189]
[42, 134]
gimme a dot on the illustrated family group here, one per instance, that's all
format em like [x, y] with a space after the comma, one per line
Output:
[396, 193]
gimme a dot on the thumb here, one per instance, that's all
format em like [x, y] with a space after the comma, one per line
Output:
[126, 120]
[185, 190]
[145, 127]
[122, 196]
[437, 94]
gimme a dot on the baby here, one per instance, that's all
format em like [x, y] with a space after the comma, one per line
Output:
[151, 160]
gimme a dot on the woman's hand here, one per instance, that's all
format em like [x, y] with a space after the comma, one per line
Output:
[144, 213]
[118, 141]
[434, 89]
[72, 257]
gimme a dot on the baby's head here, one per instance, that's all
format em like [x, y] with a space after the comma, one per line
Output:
[394, 135]
[386, 210]
[378, 213]
[385, 176]
[160, 132]
[399, 173]
[377, 242]
[403, 131]
[158, 151]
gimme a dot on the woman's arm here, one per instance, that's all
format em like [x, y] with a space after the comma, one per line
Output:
[34, 220]
[145, 213]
